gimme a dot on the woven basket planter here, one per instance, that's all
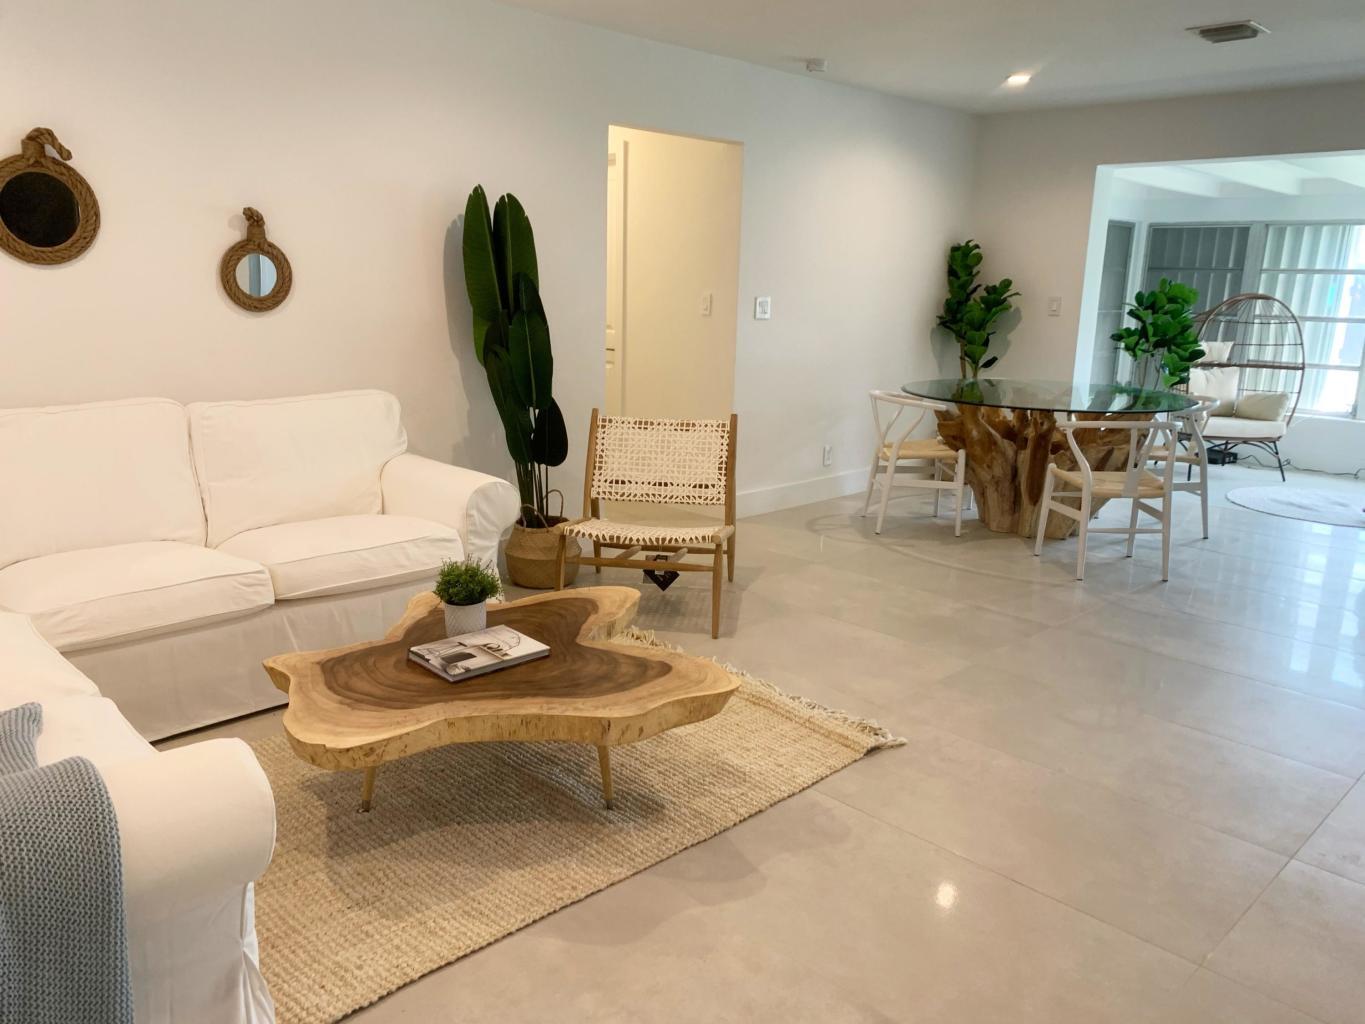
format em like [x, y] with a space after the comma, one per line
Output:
[533, 556]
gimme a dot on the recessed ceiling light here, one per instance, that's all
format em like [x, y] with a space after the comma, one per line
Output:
[1019, 79]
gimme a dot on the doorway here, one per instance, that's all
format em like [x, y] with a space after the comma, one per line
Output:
[673, 209]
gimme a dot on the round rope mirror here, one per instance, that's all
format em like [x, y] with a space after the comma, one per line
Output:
[48, 212]
[255, 271]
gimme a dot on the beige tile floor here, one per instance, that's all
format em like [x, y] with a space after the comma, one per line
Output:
[1121, 800]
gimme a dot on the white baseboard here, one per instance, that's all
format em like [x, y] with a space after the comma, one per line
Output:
[801, 492]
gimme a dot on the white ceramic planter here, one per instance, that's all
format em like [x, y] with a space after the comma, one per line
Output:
[465, 618]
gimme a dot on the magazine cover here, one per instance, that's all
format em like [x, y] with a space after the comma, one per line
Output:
[473, 654]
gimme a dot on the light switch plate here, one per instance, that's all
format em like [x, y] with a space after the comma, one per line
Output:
[706, 304]
[1054, 306]
[763, 307]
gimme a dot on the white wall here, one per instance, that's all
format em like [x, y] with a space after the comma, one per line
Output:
[358, 130]
[681, 241]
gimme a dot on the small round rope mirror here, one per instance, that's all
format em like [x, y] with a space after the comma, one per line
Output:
[255, 272]
[48, 212]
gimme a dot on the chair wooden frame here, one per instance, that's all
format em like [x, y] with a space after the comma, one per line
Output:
[1133, 484]
[1193, 452]
[719, 548]
[892, 453]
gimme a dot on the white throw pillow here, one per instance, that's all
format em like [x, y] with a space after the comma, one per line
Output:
[1219, 383]
[1216, 351]
[285, 460]
[1263, 405]
[85, 476]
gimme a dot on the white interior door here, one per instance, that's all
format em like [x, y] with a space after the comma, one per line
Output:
[616, 278]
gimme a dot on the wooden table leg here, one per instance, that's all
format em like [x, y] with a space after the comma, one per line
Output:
[1008, 452]
[367, 790]
[604, 762]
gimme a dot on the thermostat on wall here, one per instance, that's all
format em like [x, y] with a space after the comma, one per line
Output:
[763, 307]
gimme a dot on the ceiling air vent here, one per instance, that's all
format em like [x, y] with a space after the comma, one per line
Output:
[1229, 31]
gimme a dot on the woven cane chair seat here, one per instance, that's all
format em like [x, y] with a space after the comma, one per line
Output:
[604, 531]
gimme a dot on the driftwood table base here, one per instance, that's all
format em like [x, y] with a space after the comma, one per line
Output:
[361, 706]
[1008, 451]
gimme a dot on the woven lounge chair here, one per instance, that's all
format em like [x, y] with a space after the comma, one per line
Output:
[685, 463]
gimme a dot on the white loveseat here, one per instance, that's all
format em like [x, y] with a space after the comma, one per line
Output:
[166, 550]
[196, 827]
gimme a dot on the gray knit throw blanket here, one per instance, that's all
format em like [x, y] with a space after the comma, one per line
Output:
[63, 941]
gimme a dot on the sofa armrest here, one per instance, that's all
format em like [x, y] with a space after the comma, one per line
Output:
[480, 507]
[193, 821]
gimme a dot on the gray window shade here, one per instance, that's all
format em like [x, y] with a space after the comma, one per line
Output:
[1209, 258]
[1318, 270]
[1118, 251]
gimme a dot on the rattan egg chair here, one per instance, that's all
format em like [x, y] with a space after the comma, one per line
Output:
[1253, 369]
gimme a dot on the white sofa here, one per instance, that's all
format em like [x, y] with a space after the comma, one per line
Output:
[166, 550]
[196, 827]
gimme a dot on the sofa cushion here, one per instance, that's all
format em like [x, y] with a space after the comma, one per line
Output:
[1215, 351]
[288, 460]
[1263, 405]
[1233, 428]
[31, 668]
[346, 553]
[88, 727]
[85, 476]
[1220, 383]
[83, 598]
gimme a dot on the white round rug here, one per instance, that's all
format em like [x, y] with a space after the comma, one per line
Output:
[1300, 503]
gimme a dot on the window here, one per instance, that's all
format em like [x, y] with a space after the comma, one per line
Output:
[1209, 258]
[1118, 251]
[1318, 270]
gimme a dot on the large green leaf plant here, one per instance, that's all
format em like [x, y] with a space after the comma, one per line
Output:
[512, 343]
[1163, 342]
[971, 310]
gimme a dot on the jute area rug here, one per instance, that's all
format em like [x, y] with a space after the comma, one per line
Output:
[471, 842]
[1328, 507]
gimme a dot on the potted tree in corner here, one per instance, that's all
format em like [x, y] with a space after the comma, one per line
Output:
[969, 316]
[464, 589]
[512, 343]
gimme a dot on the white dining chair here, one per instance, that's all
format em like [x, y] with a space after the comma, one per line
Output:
[896, 416]
[1191, 451]
[1135, 483]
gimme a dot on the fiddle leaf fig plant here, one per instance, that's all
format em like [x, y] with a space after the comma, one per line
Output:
[970, 310]
[512, 343]
[1163, 342]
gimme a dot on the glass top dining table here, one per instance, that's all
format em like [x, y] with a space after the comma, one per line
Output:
[1055, 396]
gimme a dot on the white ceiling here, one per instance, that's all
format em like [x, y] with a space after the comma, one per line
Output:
[1338, 174]
[959, 52]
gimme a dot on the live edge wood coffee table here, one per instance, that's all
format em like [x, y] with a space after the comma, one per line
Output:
[360, 706]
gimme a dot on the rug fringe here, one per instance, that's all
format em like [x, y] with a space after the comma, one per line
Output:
[881, 737]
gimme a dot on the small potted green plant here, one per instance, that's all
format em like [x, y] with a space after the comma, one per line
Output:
[464, 589]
